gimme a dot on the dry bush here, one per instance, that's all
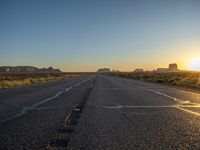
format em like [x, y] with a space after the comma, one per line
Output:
[12, 80]
[184, 79]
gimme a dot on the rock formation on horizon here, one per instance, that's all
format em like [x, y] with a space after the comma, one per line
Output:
[27, 69]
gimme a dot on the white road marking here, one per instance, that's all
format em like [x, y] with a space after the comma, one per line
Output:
[188, 111]
[183, 104]
[148, 106]
[168, 96]
[158, 92]
[34, 106]
[180, 107]
[120, 106]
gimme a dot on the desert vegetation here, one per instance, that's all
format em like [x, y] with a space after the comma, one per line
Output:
[11, 80]
[182, 79]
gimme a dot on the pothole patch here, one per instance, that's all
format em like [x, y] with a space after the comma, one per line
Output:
[63, 135]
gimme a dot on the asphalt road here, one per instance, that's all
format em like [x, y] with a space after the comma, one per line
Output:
[117, 114]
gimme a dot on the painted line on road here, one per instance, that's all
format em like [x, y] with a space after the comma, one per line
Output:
[180, 107]
[188, 111]
[120, 106]
[147, 106]
[183, 104]
[159, 92]
[34, 106]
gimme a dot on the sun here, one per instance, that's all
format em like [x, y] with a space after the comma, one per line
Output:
[194, 64]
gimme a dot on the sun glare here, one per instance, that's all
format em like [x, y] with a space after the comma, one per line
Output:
[194, 64]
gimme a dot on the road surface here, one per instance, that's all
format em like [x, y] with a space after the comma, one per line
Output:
[99, 112]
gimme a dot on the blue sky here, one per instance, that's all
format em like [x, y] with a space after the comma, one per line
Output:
[83, 35]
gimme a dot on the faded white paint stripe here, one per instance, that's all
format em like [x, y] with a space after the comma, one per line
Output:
[120, 106]
[34, 106]
[188, 111]
[183, 104]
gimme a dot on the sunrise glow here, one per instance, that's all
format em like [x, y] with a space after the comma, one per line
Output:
[194, 64]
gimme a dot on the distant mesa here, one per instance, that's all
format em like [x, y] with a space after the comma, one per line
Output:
[27, 69]
[138, 70]
[104, 70]
[162, 70]
[172, 68]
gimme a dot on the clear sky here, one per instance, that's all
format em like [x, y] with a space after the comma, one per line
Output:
[84, 35]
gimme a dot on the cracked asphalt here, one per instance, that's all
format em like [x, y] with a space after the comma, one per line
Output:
[130, 114]
[118, 114]
[39, 125]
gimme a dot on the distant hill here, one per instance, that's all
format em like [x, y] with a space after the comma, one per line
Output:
[104, 70]
[27, 69]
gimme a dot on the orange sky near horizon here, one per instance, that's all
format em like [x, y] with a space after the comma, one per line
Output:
[126, 65]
